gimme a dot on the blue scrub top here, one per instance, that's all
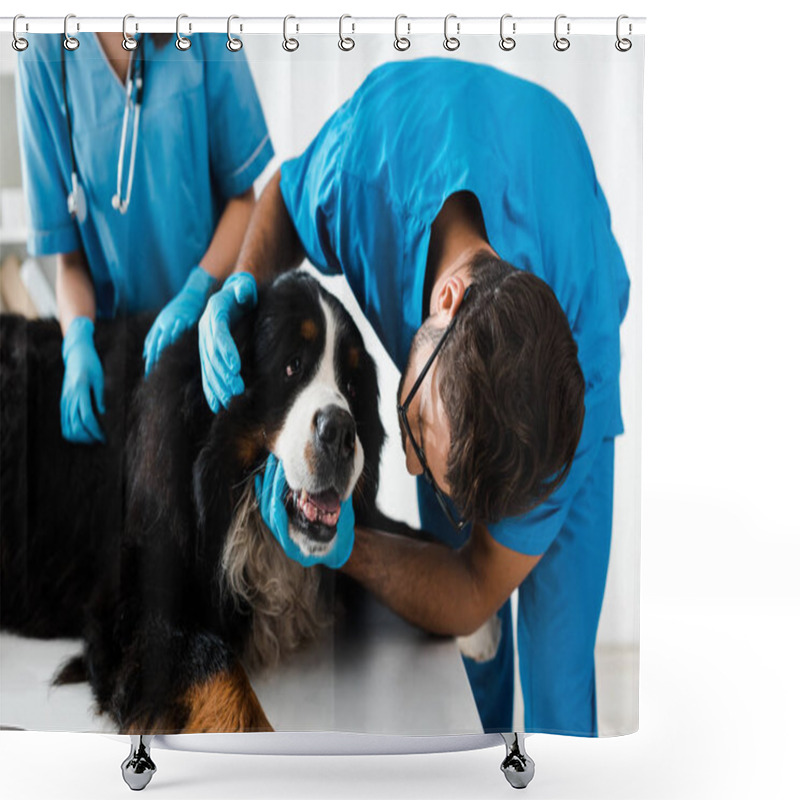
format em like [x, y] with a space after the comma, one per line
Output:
[365, 192]
[202, 140]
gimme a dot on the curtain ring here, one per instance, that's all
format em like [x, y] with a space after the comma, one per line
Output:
[451, 43]
[181, 42]
[128, 42]
[561, 43]
[507, 42]
[18, 43]
[346, 43]
[233, 44]
[288, 44]
[401, 43]
[623, 45]
[70, 42]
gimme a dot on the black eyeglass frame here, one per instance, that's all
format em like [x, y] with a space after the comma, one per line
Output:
[402, 409]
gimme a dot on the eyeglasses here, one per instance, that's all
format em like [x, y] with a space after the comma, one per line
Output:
[402, 410]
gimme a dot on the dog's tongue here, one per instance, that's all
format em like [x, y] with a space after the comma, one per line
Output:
[321, 507]
[327, 500]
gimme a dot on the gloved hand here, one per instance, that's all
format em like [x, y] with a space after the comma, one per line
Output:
[177, 316]
[219, 358]
[83, 377]
[271, 492]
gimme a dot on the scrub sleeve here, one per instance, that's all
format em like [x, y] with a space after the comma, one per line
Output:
[239, 142]
[44, 146]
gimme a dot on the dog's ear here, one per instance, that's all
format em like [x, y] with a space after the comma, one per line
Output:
[231, 448]
[244, 328]
[232, 443]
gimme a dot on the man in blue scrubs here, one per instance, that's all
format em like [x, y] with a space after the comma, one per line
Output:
[432, 180]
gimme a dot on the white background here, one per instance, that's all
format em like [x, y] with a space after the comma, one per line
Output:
[720, 608]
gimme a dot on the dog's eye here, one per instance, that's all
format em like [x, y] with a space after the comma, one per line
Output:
[293, 367]
[351, 388]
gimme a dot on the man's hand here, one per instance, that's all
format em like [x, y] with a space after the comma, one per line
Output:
[219, 359]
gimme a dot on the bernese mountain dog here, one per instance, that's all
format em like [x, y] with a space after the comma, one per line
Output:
[151, 547]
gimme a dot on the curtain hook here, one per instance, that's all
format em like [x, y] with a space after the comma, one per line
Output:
[289, 44]
[70, 42]
[507, 42]
[561, 43]
[181, 42]
[346, 43]
[401, 43]
[623, 45]
[128, 42]
[451, 43]
[18, 43]
[234, 44]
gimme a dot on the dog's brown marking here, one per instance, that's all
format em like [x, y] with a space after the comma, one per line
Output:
[309, 330]
[252, 445]
[225, 703]
[353, 357]
[248, 446]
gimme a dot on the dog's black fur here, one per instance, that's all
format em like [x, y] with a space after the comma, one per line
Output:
[121, 543]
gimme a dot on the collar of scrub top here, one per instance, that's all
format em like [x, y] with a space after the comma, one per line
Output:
[134, 91]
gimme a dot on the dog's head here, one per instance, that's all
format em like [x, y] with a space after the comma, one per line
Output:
[314, 391]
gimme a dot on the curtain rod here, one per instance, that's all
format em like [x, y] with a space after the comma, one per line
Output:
[462, 26]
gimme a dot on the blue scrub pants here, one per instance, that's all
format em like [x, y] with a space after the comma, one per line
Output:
[559, 608]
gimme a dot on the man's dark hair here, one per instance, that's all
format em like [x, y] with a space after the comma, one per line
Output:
[513, 391]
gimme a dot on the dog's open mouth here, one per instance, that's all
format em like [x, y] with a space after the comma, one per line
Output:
[314, 513]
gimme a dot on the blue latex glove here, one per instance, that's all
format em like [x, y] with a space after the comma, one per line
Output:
[219, 358]
[270, 493]
[83, 377]
[177, 316]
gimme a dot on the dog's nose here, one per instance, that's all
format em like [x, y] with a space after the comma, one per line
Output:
[336, 431]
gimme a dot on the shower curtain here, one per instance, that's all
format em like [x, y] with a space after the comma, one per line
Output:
[389, 151]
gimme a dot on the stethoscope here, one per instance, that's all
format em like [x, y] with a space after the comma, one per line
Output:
[134, 89]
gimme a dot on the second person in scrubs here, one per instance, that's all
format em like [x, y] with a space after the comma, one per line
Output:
[200, 143]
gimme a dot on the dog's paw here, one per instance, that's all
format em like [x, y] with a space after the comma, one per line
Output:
[482, 645]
